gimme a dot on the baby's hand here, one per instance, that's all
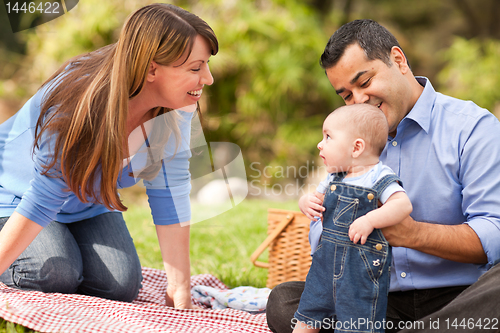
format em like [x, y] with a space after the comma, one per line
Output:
[311, 205]
[360, 229]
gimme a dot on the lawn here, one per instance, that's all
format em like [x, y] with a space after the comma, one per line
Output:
[220, 246]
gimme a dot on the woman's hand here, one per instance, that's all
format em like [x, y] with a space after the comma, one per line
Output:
[174, 246]
[179, 299]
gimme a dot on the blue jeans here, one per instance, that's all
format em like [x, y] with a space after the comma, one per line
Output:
[94, 257]
[347, 284]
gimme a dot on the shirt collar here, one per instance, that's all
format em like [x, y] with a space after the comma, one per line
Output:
[421, 111]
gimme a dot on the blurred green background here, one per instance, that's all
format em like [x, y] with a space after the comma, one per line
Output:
[270, 95]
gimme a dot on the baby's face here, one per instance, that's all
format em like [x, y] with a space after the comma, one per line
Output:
[337, 145]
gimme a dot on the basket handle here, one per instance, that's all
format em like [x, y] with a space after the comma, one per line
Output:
[272, 236]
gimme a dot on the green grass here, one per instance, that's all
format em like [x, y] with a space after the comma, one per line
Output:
[8, 327]
[220, 246]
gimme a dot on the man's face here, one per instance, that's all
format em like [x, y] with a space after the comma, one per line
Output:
[359, 80]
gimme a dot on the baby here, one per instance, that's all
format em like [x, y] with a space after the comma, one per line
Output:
[347, 285]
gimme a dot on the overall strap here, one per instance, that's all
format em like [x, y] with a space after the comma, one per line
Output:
[385, 181]
[339, 176]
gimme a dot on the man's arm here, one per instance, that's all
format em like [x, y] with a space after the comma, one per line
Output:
[453, 242]
[476, 240]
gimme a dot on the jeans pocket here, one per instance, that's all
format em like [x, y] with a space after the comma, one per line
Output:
[375, 263]
[345, 211]
[18, 278]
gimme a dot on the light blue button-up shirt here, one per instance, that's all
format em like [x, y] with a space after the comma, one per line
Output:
[447, 153]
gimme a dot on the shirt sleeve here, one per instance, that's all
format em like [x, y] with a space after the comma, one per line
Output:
[168, 193]
[46, 193]
[315, 230]
[323, 185]
[480, 178]
[391, 188]
[316, 226]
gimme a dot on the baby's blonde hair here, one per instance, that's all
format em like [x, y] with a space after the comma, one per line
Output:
[366, 122]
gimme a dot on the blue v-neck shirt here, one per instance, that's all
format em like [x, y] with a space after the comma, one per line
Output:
[43, 199]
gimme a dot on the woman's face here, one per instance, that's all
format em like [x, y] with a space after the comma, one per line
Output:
[180, 84]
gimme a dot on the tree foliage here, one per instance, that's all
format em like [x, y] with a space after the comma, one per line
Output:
[470, 71]
[270, 95]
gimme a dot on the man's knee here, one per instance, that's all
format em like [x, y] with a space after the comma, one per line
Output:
[281, 306]
[273, 313]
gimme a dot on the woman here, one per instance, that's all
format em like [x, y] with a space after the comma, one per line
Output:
[67, 151]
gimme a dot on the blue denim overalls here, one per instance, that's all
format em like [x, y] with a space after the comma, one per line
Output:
[348, 282]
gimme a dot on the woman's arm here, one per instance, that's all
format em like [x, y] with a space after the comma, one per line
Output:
[174, 246]
[15, 237]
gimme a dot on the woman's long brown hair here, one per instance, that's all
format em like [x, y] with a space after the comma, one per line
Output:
[86, 106]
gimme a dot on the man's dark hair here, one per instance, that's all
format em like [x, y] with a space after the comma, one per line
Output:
[375, 40]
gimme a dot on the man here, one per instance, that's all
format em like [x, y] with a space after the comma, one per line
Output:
[447, 153]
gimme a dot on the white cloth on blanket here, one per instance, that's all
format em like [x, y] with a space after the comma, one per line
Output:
[248, 299]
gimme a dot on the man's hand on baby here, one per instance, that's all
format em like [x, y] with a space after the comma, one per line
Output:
[360, 229]
[312, 205]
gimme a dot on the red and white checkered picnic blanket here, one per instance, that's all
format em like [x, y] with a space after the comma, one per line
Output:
[56, 312]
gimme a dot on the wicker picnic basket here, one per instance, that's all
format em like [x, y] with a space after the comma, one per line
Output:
[289, 249]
